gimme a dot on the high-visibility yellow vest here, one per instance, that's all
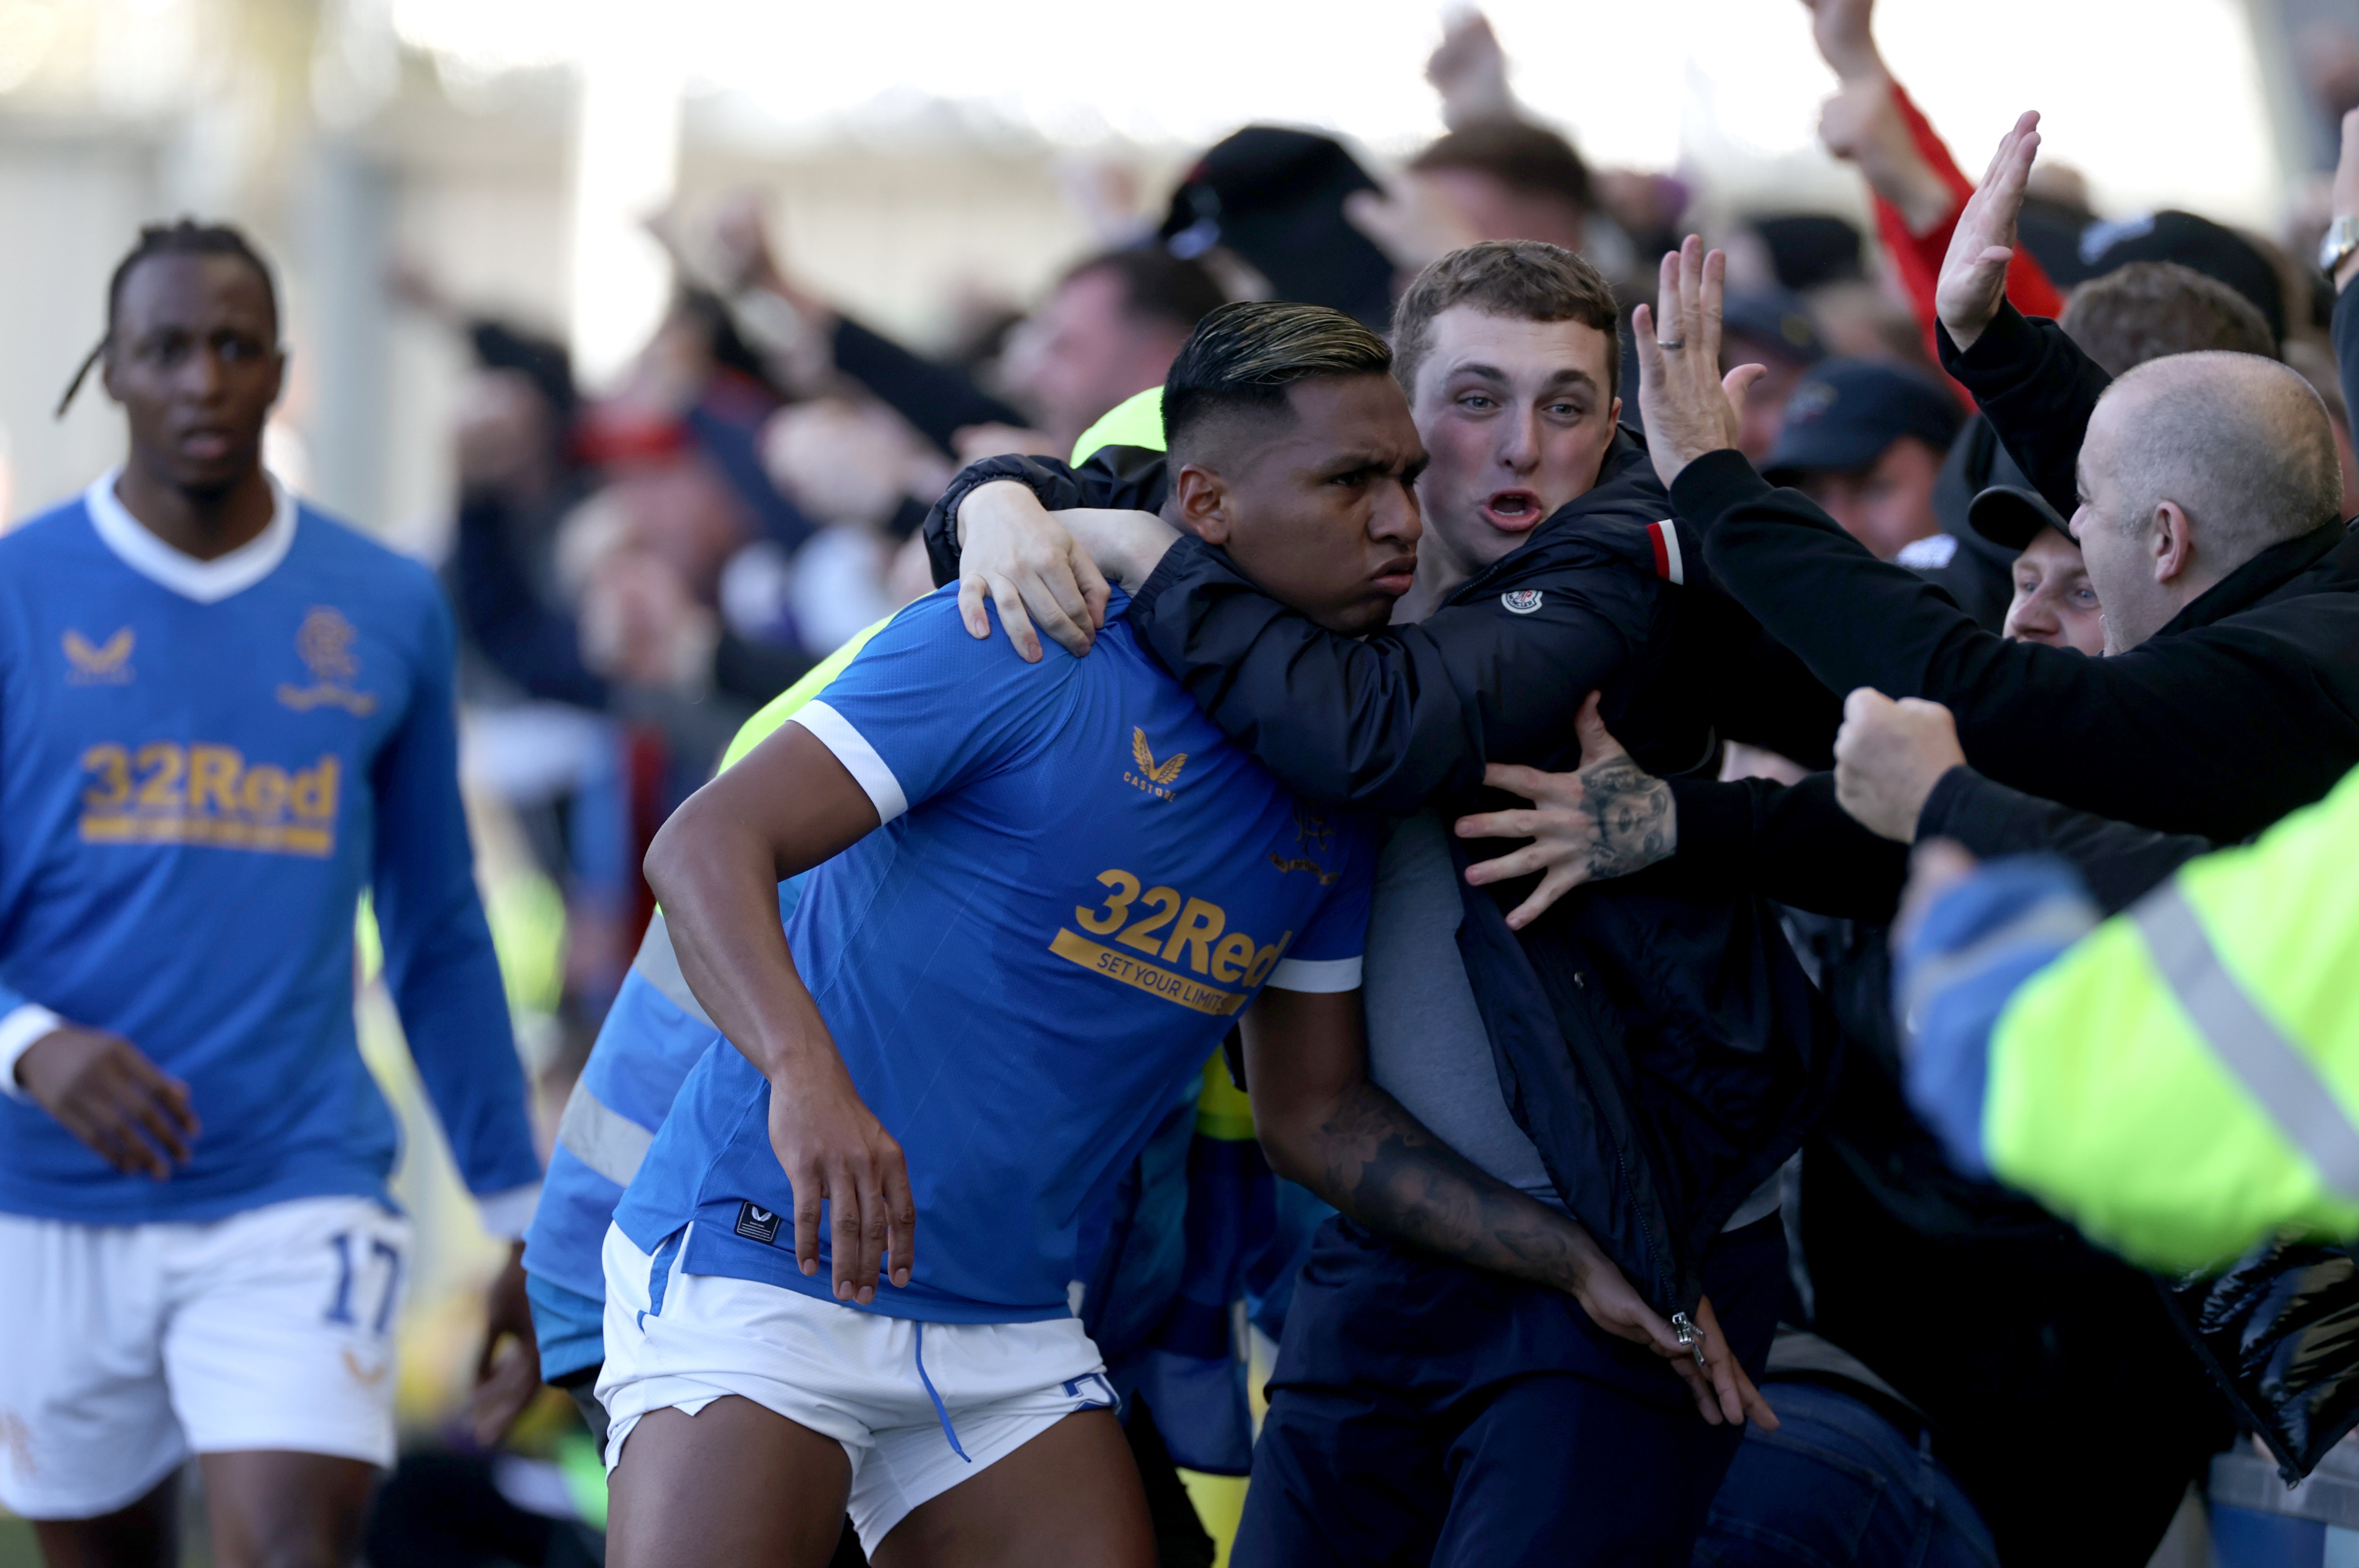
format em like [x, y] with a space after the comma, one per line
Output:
[1136, 420]
[2185, 1081]
[782, 707]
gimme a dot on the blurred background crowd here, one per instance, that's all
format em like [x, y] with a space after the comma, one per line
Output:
[656, 330]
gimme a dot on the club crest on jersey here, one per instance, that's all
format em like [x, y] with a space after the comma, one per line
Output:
[1156, 778]
[1313, 834]
[1521, 601]
[324, 642]
[101, 664]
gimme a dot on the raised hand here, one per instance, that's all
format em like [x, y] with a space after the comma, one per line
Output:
[833, 1149]
[1888, 756]
[1845, 32]
[1608, 819]
[104, 1092]
[1860, 123]
[1470, 70]
[1974, 275]
[1690, 409]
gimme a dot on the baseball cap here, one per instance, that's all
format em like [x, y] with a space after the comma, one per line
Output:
[2013, 515]
[1807, 249]
[2195, 243]
[1777, 320]
[1845, 412]
[2008, 510]
[1275, 196]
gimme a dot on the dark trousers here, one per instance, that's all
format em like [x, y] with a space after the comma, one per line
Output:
[1838, 1484]
[1423, 1412]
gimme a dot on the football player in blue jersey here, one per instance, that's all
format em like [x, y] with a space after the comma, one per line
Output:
[845, 1271]
[1453, 1382]
[222, 718]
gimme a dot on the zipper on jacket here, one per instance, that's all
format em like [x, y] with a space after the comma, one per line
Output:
[1692, 1337]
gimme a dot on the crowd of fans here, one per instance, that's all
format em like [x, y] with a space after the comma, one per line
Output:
[635, 575]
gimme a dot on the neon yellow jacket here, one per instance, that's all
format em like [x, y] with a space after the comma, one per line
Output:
[2182, 1080]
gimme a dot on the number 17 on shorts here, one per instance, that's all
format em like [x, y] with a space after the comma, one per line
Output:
[132, 1347]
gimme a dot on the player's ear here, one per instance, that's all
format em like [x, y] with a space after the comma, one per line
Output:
[1204, 504]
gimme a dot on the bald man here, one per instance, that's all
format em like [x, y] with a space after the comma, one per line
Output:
[2207, 505]
[2207, 509]
[2194, 466]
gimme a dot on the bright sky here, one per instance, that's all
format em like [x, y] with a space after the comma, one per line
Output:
[2156, 101]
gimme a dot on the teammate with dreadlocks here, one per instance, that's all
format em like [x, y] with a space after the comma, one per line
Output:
[223, 718]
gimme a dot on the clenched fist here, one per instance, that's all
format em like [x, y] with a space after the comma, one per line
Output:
[1888, 756]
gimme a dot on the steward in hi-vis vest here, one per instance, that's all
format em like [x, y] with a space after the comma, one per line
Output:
[2180, 1081]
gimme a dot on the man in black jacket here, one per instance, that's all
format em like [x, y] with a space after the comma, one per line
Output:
[2241, 629]
[2233, 696]
[1900, 772]
[1420, 1407]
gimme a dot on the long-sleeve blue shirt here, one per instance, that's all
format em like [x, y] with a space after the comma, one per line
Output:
[202, 766]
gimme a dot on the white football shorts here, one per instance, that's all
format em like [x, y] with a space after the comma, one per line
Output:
[918, 1407]
[123, 1349]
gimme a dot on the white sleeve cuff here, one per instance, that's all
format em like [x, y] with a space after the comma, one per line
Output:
[508, 1214]
[859, 759]
[19, 1030]
[1317, 975]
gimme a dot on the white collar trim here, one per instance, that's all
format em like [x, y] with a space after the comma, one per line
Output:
[206, 582]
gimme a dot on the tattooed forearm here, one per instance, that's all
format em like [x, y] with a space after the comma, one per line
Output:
[1631, 811]
[1375, 1162]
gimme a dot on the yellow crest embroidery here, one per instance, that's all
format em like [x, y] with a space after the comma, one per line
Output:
[1313, 834]
[325, 643]
[1156, 778]
[102, 664]
[367, 1376]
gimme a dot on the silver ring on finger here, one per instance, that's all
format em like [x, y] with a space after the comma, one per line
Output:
[1670, 345]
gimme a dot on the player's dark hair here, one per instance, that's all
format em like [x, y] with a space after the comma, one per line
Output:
[1243, 358]
[1157, 286]
[184, 237]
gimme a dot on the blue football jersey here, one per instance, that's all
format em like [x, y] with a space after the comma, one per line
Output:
[1078, 883]
[202, 767]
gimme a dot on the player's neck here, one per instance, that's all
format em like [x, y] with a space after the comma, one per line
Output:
[204, 524]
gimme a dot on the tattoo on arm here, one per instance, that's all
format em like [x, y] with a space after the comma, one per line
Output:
[1378, 1164]
[1632, 811]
